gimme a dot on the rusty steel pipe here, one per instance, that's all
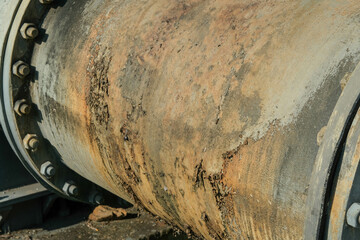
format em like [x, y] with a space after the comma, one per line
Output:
[206, 113]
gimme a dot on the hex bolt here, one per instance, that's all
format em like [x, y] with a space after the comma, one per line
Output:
[96, 198]
[31, 142]
[46, 1]
[21, 69]
[47, 169]
[353, 215]
[73, 190]
[29, 31]
[99, 199]
[21, 107]
[70, 189]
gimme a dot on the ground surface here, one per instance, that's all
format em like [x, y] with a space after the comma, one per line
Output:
[137, 225]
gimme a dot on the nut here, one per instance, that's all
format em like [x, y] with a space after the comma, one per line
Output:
[99, 199]
[47, 169]
[31, 142]
[46, 1]
[352, 215]
[21, 107]
[96, 198]
[29, 31]
[21, 69]
[70, 189]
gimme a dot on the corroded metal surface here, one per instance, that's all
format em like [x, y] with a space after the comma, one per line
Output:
[20, 127]
[329, 158]
[205, 112]
[346, 185]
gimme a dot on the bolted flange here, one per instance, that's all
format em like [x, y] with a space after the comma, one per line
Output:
[47, 169]
[21, 107]
[31, 142]
[70, 189]
[29, 31]
[21, 69]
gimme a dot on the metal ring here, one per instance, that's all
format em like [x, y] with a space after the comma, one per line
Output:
[328, 156]
[22, 130]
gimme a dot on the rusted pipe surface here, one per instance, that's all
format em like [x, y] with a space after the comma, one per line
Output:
[205, 112]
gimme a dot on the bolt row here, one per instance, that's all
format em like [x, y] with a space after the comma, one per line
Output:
[21, 69]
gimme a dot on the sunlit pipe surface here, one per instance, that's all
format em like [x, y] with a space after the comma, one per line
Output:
[204, 112]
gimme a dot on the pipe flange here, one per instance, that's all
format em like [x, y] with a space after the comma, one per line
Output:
[20, 123]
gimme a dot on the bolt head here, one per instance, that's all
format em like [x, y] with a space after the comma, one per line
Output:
[24, 70]
[24, 109]
[99, 199]
[21, 69]
[47, 169]
[96, 198]
[21, 107]
[32, 32]
[31, 142]
[29, 31]
[50, 171]
[73, 190]
[70, 189]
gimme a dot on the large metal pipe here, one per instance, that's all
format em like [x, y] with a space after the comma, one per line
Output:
[205, 112]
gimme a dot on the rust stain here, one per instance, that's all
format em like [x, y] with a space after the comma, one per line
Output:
[188, 108]
[344, 184]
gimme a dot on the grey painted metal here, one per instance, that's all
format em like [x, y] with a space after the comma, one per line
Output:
[343, 208]
[7, 12]
[8, 9]
[326, 159]
[20, 194]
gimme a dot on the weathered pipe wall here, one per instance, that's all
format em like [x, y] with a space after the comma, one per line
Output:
[205, 112]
